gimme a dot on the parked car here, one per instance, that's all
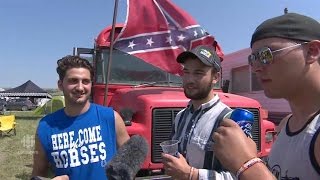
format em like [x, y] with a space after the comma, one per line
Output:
[3, 104]
[20, 104]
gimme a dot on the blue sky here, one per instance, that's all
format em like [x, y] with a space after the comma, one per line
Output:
[35, 33]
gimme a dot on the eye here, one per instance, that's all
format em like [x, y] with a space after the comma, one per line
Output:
[86, 81]
[251, 59]
[73, 81]
[265, 56]
[199, 73]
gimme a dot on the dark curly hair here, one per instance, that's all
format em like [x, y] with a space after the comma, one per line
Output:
[69, 62]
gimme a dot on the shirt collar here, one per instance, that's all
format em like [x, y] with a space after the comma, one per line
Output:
[204, 105]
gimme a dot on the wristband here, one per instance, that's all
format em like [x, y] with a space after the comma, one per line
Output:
[191, 172]
[247, 165]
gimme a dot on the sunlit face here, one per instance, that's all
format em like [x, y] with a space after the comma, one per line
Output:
[197, 79]
[283, 77]
[76, 86]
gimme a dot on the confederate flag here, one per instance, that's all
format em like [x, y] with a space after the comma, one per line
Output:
[157, 31]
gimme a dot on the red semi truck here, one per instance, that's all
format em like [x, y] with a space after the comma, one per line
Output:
[148, 99]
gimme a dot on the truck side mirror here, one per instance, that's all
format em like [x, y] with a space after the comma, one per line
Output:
[225, 86]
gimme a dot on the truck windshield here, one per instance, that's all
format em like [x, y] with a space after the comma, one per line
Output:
[130, 70]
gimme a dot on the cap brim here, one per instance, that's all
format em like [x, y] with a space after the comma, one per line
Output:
[185, 55]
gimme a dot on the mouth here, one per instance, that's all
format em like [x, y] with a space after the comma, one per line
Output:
[264, 81]
[191, 87]
[78, 95]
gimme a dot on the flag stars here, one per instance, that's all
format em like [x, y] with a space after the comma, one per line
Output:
[195, 34]
[169, 39]
[131, 44]
[181, 37]
[203, 31]
[149, 42]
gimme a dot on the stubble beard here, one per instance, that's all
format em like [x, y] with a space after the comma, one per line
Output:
[201, 94]
[74, 101]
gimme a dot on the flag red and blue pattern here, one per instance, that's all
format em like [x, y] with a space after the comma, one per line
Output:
[157, 31]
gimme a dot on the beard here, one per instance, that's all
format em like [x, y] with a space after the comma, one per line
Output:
[198, 94]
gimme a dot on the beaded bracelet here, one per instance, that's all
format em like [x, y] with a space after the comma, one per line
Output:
[191, 172]
[247, 165]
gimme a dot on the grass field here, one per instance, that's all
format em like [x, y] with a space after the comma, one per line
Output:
[16, 152]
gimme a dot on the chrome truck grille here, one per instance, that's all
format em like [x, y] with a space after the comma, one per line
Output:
[162, 125]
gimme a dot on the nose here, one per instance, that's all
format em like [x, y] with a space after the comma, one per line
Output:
[256, 66]
[79, 86]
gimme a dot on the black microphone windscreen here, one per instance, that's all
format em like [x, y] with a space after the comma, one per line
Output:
[127, 162]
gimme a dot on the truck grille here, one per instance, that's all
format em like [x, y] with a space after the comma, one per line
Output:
[256, 131]
[162, 125]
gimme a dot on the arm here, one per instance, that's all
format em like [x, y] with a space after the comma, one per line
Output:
[121, 131]
[228, 136]
[178, 168]
[63, 177]
[257, 172]
[40, 161]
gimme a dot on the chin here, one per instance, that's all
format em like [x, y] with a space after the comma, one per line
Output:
[80, 100]
[190, 95]
[272, 95]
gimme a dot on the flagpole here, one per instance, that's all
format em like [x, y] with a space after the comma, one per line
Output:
[115, 10]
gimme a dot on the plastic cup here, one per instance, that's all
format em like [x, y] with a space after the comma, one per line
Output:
[170, 147]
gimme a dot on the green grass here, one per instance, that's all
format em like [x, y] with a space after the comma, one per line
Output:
[16, 152]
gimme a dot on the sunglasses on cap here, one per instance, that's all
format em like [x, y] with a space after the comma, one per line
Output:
[265, 54]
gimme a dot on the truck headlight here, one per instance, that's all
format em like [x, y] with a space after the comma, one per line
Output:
[270, 136]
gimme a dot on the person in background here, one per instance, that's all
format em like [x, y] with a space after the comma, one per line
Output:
[286, 59]
[81, 138]
[193, 126]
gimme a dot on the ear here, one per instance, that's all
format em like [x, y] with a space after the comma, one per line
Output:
[60, 85]
[313, 54]
[216, 77]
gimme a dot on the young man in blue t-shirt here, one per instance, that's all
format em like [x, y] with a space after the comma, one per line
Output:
[81, 138]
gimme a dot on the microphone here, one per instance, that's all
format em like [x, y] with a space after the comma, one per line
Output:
[127, 162]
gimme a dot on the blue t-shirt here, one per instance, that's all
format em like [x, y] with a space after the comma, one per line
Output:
[79, 146]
